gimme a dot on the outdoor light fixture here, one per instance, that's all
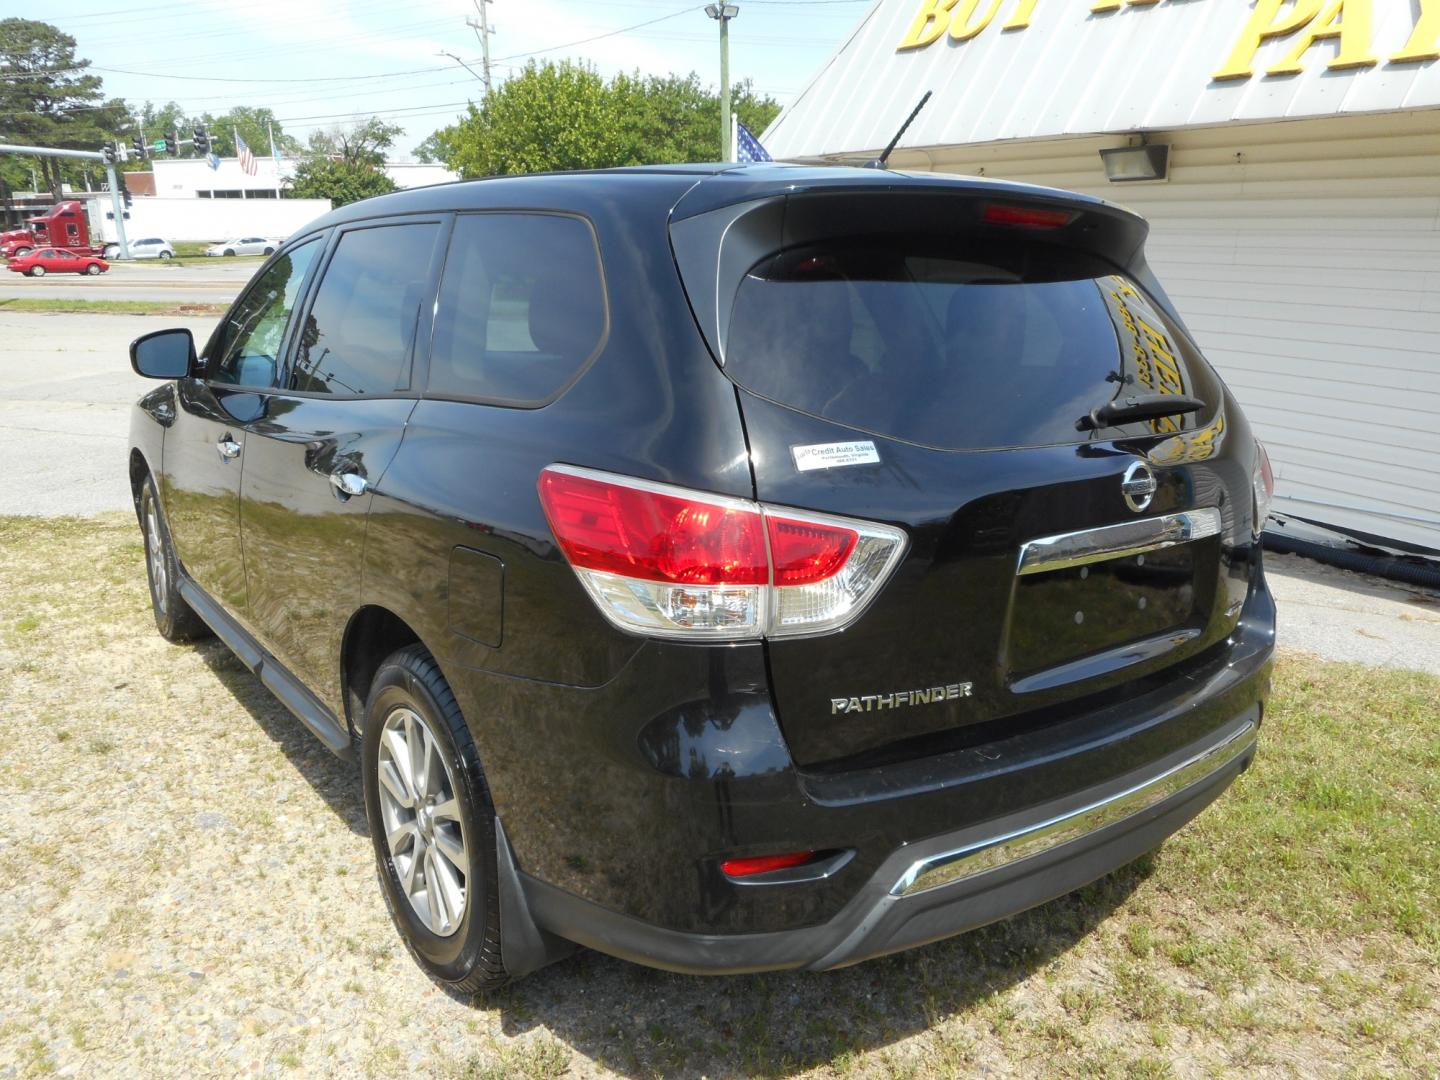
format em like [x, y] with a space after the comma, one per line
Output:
[1150, 161]
[722, 11]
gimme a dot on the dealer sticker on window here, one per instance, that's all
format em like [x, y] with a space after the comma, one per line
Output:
[832, 455]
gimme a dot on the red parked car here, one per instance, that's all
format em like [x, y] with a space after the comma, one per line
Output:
[44, 261]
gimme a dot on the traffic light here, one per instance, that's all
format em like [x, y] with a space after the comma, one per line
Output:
[172, 143]
[110, 151]
[141, 150]
[202, 140]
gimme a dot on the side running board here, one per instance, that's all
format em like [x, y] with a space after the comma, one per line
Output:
[312, 712]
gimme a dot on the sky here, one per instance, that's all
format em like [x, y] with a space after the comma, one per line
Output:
[322, 63]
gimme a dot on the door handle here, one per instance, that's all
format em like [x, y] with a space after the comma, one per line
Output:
[349, 483]
[229, 448]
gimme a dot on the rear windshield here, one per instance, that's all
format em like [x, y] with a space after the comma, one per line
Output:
[955, 346]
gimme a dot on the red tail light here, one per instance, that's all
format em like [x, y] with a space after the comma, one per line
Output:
[651, 535]
[667, 562]
[763, 864]
[1027, 217]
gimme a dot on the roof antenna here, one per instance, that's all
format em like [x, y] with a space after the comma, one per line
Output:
[879, 163]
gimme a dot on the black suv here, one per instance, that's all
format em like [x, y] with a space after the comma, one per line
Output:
[727, 568]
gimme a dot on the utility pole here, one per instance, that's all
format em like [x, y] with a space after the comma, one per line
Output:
[483, 30]
[723, 13]
[107, 156]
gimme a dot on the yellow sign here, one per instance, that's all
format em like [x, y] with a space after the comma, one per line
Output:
[1306, 21]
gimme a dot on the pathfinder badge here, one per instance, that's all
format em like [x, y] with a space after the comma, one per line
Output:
[900, 698]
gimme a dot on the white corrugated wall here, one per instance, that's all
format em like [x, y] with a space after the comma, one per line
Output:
[1305, 256]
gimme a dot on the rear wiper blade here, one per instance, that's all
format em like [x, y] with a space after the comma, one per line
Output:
[1138, 407]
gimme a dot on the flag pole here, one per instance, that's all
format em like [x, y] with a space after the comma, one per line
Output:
[274, 157]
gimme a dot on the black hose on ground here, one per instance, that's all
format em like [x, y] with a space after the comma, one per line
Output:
[1412, 571]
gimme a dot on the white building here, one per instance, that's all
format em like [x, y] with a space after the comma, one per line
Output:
[194, 201]
[192, 178]
[1297, 225]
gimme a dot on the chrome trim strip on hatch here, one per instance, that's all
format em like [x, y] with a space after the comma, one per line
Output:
[987, 854]
[1117, 541]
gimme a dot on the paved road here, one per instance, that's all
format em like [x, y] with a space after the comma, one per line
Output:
[209, 283]
[65, 394]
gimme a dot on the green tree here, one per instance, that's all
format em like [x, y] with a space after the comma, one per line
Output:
[551, 116]
[339, 181]
[431, 150]
[364, 143]
[254, 125]
[566, 116]
[48, 99]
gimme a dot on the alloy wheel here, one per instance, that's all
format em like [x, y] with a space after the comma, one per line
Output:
[155, 555]
[421, 818]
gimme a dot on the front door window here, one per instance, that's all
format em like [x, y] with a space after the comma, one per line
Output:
[248, 349]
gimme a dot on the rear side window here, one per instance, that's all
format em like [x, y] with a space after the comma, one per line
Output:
[361, 328]
[521, 308]
[953, 347]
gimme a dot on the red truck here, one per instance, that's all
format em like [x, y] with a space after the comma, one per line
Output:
[63, 227]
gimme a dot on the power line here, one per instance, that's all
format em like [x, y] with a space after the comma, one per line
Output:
[600, 37]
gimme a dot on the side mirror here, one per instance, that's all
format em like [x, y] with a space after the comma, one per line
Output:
[165, 354]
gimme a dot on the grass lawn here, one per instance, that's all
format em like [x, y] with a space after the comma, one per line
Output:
[189, 891]
[192, 253]
[110, 307]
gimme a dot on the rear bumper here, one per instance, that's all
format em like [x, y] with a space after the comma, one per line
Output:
[946, 884]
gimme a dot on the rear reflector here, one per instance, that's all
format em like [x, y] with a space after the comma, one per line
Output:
[1028, 217]
[1264, 483]
[804, 552]
[667, 562]
[763, 864]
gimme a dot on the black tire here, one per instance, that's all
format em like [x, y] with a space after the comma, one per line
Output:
[269, 251]
[35, 271]
[174, 618]
[165, 255]
[21, 251]
[229, 252]
[467, 960]
[93, 269]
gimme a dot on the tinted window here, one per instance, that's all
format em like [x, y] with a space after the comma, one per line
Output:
[361, 328]
[960, 349]
[521, 310]
[250, 340]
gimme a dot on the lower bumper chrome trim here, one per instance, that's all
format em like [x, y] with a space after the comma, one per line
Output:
[995, 851]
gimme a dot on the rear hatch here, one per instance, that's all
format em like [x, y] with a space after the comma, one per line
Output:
[928, 360]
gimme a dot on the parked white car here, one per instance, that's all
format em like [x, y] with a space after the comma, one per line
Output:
[150, 248]
[246, 245]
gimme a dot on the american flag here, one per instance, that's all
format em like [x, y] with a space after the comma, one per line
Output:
[247, 159]
[747, 146]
